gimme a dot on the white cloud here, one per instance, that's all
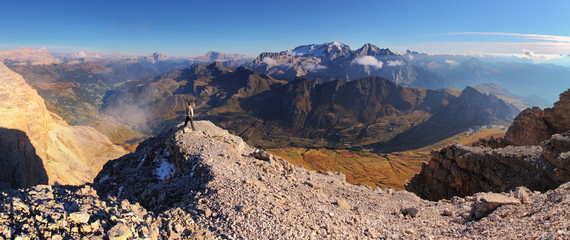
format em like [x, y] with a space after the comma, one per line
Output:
[82, 54]
[529, 53]
[270, 61]
[536, 56]
[433, 65]
[315, 67]
[368, 61]
[539, 48]
[394, 63]
[552, 38]
[452, 63]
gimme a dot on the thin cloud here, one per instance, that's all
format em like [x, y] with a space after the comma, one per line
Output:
[368, 61]
[539, 48]
[316, 67]
[270, 61]
[451, 63]
[433, 65]
[552, 38]
[394, 63]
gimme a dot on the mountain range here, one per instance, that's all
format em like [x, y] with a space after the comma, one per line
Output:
[209, 183]
[272, 113]
[331, 61]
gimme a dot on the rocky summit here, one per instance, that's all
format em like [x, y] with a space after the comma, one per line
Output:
[210, 184]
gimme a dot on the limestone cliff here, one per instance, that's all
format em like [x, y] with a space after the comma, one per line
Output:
[535, 154]
[534, 125]
[42, 143]
[462, 171]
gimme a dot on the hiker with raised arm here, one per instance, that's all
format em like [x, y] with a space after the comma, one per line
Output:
[189, 116]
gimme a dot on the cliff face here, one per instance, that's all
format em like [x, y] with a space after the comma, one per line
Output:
[37, 142]
[462, 171]
[540, 165]
[534, 125]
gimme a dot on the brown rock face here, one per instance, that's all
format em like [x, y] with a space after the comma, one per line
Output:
[460, 171]
[536, 156]
[36, 144]
[533, 125]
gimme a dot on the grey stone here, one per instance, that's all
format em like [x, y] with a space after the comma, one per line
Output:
[79, 217]
[119, 232]
[487, 202]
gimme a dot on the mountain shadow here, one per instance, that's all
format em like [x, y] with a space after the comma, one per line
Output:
[20, 166]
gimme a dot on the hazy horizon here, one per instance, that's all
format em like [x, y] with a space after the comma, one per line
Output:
[532, 30]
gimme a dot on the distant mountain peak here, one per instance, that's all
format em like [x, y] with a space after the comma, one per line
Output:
[329, 51]
[229, 59]
[155, 57]
[217, 67]
[370, 49]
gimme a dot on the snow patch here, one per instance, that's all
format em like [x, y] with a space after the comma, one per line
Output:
[165, 170]
[315, 50]
[103, 179]
[141, 161]
[337, 45]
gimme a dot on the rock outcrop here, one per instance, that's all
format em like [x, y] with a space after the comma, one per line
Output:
[36, 142]
[534, 125]
[460, 171]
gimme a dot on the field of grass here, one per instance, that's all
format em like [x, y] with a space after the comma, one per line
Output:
[465, 138]
[386, 170]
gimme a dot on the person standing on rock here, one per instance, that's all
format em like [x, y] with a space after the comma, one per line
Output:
[189, 116]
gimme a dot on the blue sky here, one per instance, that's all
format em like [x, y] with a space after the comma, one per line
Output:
[191, 28]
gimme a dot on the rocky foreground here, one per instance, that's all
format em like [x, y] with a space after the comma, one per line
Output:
[210, 184]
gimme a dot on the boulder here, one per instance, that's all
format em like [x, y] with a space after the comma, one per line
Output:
[487, 202]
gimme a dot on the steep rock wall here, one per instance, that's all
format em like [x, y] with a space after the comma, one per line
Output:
[38, 146]
[533, 125]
